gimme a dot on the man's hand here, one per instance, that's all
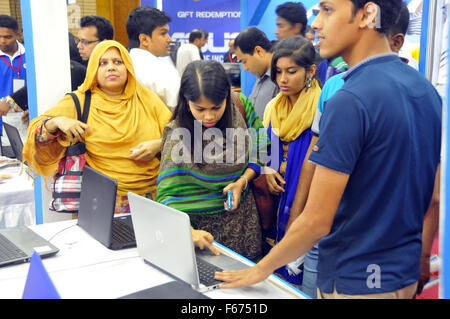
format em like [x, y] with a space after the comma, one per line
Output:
[424, 273]
[4, 107]
[313, 224]
[146, 151]
[240, 278]
[430, 227]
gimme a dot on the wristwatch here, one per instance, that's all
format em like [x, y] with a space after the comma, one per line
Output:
[11, 103]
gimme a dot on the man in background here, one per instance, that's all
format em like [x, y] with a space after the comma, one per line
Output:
[93, 30]
[12, 65]
[291, 20]
[310, 34]
[205, 34]
[190, 52]
[230, 56]
[149, 29]
[253, 50]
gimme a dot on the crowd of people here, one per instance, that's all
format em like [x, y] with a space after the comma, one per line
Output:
[345, 131]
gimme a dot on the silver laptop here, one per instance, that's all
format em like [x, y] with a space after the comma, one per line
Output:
[164, 239]
[14, 139]
[17, 245]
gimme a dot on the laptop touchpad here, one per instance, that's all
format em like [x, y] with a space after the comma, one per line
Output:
[223, 261]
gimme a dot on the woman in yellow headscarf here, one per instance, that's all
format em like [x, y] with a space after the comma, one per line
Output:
[123, 131]
[289, 117]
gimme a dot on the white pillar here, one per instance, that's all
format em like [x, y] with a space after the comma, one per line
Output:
[48, 72]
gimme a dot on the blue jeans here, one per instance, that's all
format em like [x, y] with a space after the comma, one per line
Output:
[310, 272]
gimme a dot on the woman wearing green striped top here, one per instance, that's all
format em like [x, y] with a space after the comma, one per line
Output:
[207, 151]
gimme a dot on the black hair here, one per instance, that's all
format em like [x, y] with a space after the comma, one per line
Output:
[402, 23]
[206, 33]
[298, 48]
[205, 78]
[9, 22]
[390, 10]
[294, 12]
[105, 30]
[251, 37]
[195, 34]
[144, 20]
[73, 50]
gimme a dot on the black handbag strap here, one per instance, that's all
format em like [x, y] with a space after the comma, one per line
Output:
[87, 105]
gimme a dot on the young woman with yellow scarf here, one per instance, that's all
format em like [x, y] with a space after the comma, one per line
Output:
[289, 117]
[123, 131]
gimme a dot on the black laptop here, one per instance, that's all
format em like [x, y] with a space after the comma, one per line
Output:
[17, 245]
[169, 290]
[14, 139]
[96, 212]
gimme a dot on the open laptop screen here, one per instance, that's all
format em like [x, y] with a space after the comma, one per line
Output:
[14, 139]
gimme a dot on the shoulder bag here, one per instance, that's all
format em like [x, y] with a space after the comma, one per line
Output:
[66, 186]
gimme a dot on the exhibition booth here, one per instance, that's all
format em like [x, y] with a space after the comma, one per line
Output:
[84, 268]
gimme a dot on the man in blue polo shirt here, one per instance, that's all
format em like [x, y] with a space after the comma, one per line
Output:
[377, 158]
[12, 63]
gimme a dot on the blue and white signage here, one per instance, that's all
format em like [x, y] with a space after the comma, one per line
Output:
[220, 18]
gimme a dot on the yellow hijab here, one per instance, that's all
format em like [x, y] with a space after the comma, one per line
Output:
[117, 125]
[290, 121]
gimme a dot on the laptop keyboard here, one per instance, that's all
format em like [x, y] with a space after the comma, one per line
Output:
[9, 251]
[206, 272]
[122, 232]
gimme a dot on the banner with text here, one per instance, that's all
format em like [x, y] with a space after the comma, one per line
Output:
[220, 18]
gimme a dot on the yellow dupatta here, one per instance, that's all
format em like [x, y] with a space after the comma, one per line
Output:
[117, 125]
[289, 122]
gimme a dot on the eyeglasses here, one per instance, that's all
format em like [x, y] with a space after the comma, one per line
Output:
[85, 42]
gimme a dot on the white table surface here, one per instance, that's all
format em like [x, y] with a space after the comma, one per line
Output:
[16, 198]
[85, 269]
